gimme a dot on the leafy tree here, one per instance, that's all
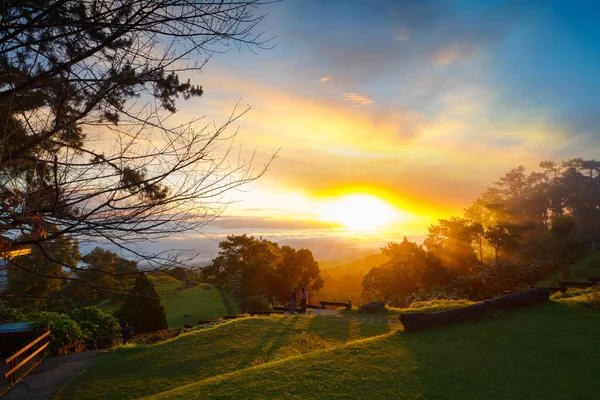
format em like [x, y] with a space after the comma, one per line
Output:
[451, 241]
[142, 307]
[250, 267]
[33, 279]
[179, 273]
[73, 72]
[410, 269]
[562, 226]
[105, 273]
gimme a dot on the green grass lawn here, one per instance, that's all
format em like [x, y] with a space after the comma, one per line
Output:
[549, 351]
[202, 302]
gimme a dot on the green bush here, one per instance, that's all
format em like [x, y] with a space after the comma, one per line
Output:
[256, 303]
[65, 334]
[10, 315]
[100, 330]
[593, 300]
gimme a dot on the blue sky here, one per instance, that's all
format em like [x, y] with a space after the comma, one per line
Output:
[420, 103]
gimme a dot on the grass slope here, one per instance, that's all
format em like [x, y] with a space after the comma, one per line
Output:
[580, 272]
[132, 372]
[550, 351]
[542, 352]
[202, 302]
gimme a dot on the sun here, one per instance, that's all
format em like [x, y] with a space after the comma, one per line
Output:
[361, 212]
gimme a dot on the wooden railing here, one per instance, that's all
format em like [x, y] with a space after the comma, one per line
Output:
[12, 360]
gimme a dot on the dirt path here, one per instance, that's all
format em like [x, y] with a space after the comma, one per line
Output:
[45, 380]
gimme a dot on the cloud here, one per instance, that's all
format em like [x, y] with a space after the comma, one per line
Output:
[326, 78]
[271, 223]
[447, 54]
[358, 99]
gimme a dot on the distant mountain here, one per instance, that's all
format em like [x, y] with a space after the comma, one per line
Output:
[343, 281]
[346, 256]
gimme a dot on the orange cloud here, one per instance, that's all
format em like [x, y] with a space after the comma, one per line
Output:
[357, 99]
[326, 78]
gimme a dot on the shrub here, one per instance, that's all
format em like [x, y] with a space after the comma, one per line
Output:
[593, 300]
[142, 308]
[256, 303]
[155, 337]
[9, 315]
[65, 334]
[100, 330]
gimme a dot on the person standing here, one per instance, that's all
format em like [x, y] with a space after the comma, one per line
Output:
[293, 297]
[303, 300]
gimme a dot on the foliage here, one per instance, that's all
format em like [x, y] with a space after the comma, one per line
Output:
[74, 71]
[99, 330]
[155, 337]
[105, 274]
[9, 315]
[65, 334]
[248, 267]
[142, 307]
[35, 278]
[450, 241]
[410, 269]
[256, 303]
[522, 228]
[593, 299]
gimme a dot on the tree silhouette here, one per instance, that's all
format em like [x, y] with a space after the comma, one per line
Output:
[142, 307]
[86, 92]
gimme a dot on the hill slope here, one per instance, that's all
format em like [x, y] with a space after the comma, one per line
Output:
[547, 351]
[580, 271]
[202, 302]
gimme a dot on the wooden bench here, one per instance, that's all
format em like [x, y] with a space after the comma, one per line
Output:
[594, 279]
[324, 304]
[583, 285]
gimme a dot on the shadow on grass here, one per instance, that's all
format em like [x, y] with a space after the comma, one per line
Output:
[270, 341]
[546, 351]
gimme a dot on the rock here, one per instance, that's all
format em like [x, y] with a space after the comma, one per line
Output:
[375, 306]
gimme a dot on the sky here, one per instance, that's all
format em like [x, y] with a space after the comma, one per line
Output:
[388, 115]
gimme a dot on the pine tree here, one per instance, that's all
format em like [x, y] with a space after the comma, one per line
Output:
[142, 308]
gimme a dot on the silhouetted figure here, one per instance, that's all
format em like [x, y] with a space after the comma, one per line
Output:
[293, 297]
[303, 300]
[126, 331]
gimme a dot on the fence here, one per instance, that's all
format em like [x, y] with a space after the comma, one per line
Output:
[14, 365]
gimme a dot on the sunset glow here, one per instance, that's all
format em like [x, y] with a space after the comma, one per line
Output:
[361, 212]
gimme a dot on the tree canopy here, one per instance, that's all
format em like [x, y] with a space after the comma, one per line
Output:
[251, 267]
[521, 228]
